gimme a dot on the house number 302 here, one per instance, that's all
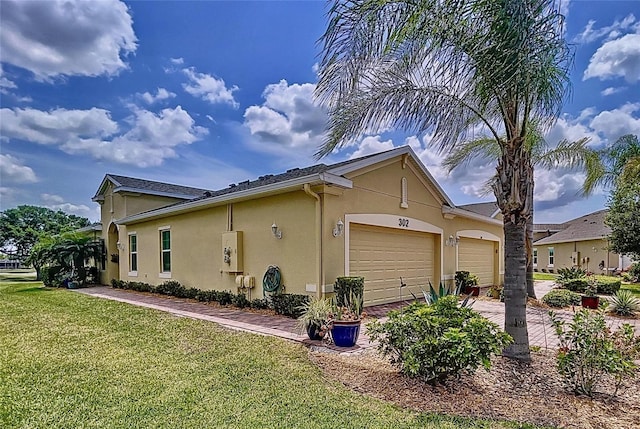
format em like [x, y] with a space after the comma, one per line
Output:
[403, 222]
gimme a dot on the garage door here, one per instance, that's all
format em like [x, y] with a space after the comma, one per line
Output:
[383, 255]
[477, 257]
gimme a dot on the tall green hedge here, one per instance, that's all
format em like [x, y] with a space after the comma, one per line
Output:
[344, 286]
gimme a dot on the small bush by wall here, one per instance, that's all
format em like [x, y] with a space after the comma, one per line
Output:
[608, 285]
[561, 298]
[288, 304]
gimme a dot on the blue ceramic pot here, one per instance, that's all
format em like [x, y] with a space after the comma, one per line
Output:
[345, 333]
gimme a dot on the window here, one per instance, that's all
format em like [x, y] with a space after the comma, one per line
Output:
[165, 251]
[133, 253]
[551, 256]
[535, 257]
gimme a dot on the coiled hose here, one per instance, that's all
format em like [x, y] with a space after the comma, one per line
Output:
[271, 279]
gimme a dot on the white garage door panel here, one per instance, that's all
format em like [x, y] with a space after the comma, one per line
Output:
[383, 255]
[477, 257]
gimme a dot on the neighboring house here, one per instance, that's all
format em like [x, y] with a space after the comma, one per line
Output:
[382, 217]
[581, 242]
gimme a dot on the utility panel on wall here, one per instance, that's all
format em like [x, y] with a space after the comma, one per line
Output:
[232, 252]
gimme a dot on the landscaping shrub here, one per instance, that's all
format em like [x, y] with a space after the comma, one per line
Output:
[465, 279]
[191, 293]
[240, 300]
[288, 304]
[345, 287]
[608, 285]
[206, 295]
[575, 285]
[591, 357]
[571, 273]
[624, 303]
[117, 284]
[561, 298]
[53, 276]
[224, 297]
[172, 288]
[634, 272]
[437, 341]
[259, 304]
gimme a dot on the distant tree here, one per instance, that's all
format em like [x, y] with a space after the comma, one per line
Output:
[23, 226]
[620, 162]
[624, 218]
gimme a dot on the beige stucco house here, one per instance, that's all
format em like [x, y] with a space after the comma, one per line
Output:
[581, 242]
[382, 217]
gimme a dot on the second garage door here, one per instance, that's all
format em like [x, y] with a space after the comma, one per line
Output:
[383, 255]
[477, 257]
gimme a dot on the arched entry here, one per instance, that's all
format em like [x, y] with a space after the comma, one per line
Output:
[113, 254]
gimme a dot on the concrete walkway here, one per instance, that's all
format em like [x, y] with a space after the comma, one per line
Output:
[539, 326]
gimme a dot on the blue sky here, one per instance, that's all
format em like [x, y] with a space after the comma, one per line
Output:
[208, 93]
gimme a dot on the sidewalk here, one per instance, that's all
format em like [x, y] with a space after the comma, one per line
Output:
[539, 326]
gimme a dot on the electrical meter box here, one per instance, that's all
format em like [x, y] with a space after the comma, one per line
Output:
[232, 252]
[575, 259]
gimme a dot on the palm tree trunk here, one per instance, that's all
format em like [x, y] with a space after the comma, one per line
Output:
[513, 189]
[531, 292]
[515, 291]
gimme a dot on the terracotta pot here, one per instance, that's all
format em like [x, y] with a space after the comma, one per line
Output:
[590, 301]
[473, 290]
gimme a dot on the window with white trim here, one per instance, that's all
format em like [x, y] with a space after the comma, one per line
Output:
[165, 251]
[535, 257]
[551, 256]
[133, 253]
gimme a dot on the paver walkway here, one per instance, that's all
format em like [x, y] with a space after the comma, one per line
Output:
[539, 326]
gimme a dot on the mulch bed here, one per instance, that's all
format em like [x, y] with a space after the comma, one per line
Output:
[531, 393]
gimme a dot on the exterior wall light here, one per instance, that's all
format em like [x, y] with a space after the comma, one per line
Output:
[120, 246]
[275, 231]
[339, 229]
[452, 241]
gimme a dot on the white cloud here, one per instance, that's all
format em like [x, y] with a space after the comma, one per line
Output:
[66, 37]
[288, 119]
[209, 88]
[150, 139]
[617, 122]
[590, 34]
[4, 81]
[557, 188]
[13, 170]
[573, 129]
[611, 90]
[370, 145]
[55, 126]
[52, 199]
[616, 58]
[177, 61]
[56, 202]
[161, 94]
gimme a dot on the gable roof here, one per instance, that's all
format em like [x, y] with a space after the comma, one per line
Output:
[587, 227]
[488, 209]
[149, 187]
[294, 179]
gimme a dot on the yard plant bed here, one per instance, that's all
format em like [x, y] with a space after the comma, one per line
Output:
[69, 361]
[531, 393]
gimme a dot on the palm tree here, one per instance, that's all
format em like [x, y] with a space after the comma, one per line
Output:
[566, 154]
[450, 67]
[620, 162]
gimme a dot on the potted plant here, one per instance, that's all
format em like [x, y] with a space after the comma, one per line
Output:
[345, 320]
[590, 299]
[467, 283]
[314, 318]
[494, 291]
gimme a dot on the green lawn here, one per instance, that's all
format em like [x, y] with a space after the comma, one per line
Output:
[544, 276]
[633, 287]
[72, 361]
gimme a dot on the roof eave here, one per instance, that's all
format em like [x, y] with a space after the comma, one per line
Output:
[271, 189]
[470, 215]
[545, 241]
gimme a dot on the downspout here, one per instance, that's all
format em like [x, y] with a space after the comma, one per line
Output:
[308, 191]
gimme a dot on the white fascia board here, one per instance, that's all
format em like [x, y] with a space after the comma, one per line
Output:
[333, 179]
[156, 193]
[406, 149]
[543, 241]
[470, 215]
[273, 188]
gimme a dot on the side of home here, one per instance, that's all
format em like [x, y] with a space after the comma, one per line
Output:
[382, 216]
